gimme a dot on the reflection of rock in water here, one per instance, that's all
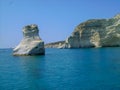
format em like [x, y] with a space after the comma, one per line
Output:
[31, 43]
[33, 71]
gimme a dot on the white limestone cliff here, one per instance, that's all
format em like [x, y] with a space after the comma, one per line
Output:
[95, 33]
[31, 43]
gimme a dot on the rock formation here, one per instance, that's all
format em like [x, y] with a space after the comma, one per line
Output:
[55, 44]
[31, 43]
[95, 33]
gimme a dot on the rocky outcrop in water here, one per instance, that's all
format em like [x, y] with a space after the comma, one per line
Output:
[31, 44]
[55, 44]
[95, 33]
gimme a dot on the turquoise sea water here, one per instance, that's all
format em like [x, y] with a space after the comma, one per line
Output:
[61, 69]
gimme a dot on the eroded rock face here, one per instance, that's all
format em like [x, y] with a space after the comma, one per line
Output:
[31, 44]
[95, 33]
[55, 44]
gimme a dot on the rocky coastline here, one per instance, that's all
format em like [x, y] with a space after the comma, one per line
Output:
[93, 33]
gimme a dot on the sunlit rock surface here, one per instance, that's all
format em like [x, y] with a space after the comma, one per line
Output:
[31, 43]
[55, 44]
[95, 33]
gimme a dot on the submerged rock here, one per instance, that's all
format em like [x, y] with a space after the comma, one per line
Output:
[95, 33]
[31, 44]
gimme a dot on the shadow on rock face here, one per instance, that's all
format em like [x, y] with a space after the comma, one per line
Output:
[31, 44]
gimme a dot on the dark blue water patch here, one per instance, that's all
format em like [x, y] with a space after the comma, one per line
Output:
[61, 69]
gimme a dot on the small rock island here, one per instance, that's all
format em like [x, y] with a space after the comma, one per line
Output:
[31, 44]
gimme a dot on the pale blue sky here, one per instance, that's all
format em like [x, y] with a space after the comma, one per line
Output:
[56, 18]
